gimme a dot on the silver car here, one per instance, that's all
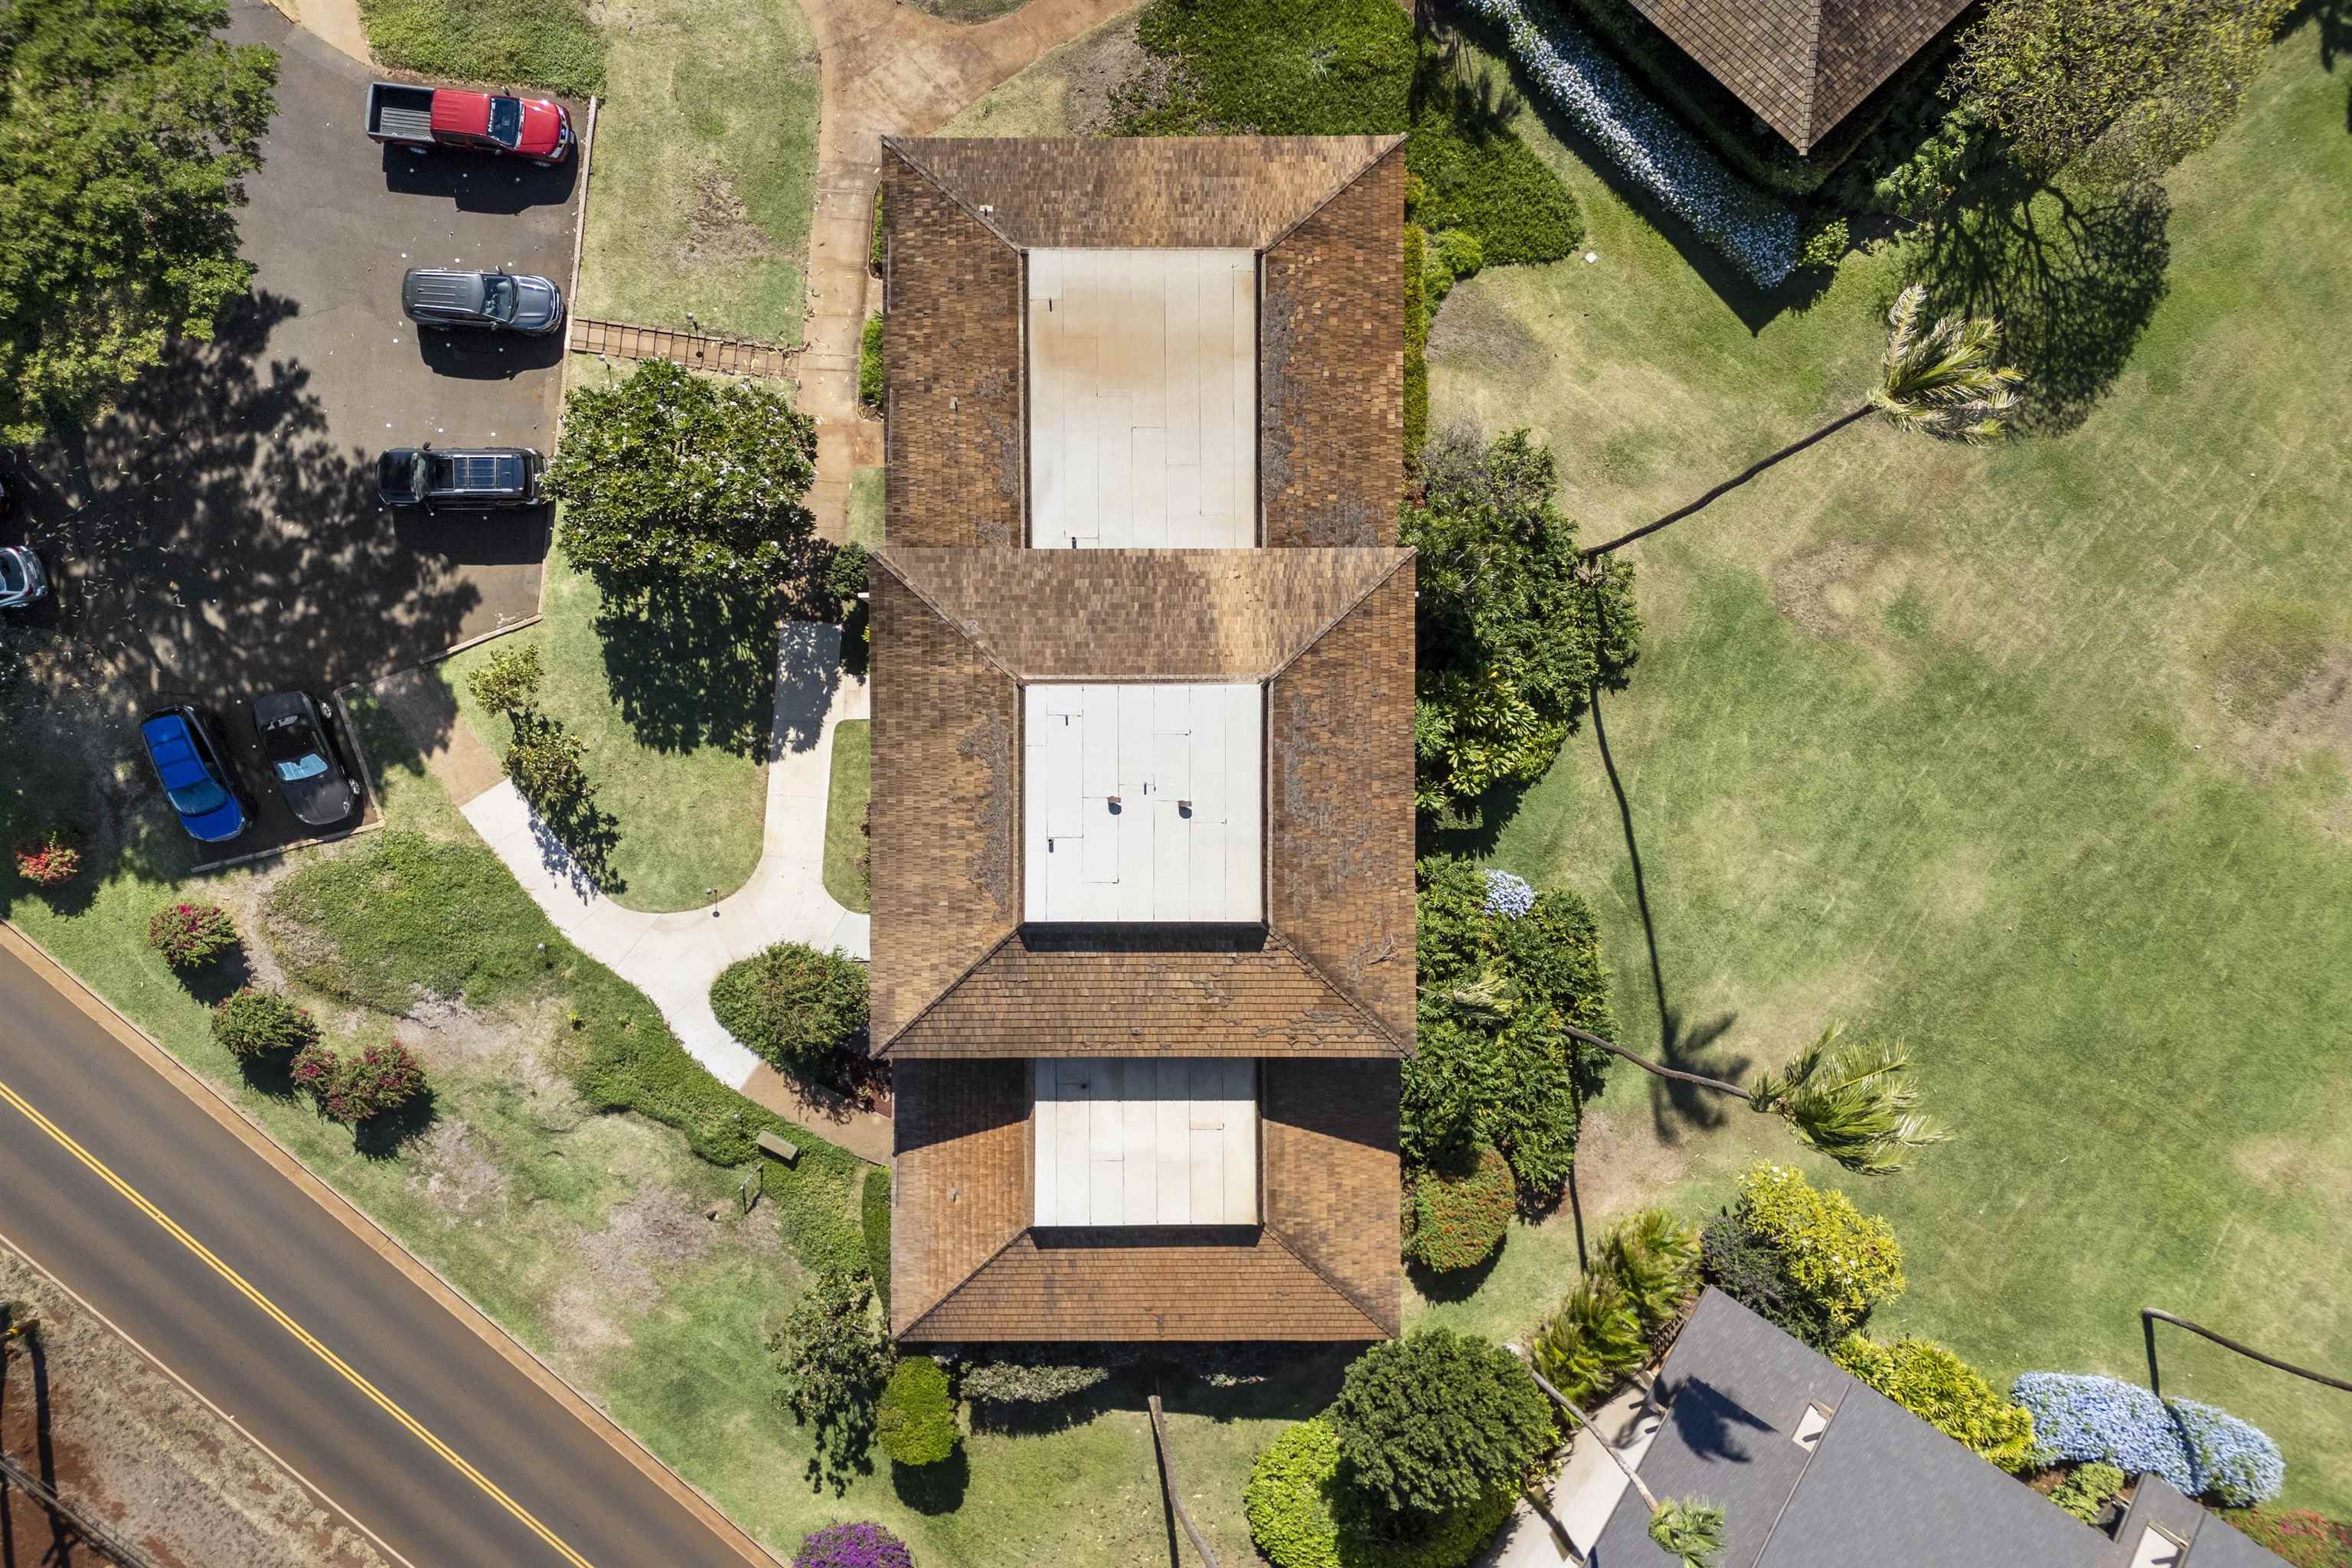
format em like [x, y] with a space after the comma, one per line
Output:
[22, 581]
[439, 298]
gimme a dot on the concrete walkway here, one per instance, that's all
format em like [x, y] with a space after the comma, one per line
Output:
[1585, 1491]
[673, 958]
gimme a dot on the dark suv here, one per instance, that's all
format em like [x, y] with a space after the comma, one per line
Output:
[501, 301]
[474, 479]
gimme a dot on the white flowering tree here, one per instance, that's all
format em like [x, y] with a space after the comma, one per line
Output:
[672, 477]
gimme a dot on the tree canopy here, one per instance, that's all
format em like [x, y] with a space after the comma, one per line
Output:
[1512, 636]
[2117, 88]
[673, 477]
[1438, 1421]
[126, 132]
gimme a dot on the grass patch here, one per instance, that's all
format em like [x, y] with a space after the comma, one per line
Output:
[871, 371]
[867, 498]
[706, 157]
[845, 816]
[551, 45]
[673, 695]
[2022, 756]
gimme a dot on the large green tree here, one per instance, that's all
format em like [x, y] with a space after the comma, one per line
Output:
[1437, 1421]
[2115, 88]
[1512, 635]
[126, 132]
[672, 477]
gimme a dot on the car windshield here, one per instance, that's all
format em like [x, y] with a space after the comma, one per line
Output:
[506, 122]
[12, 576]
[197, 796]
[292, 752]
[498, 297]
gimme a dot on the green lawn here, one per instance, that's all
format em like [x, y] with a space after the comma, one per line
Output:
[844, 814]
[675, 700]
[549, 44]
[866, 507]
[2035, 757]
[705, 169]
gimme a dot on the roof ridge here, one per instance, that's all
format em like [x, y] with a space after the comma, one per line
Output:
[949, 989]
[1406, 556]
[1319, 1272]
[952, 1291]
[1394, 138]
[970, 633]
[897, 146]
[1811, 90]
[1349, 997]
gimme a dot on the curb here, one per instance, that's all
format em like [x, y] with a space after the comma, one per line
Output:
[16, 942]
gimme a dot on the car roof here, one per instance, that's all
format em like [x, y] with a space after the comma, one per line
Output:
[172, 744]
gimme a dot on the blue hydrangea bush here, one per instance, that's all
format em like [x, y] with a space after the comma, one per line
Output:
[1508, 895]
[2198, 1449]
[1651, 148]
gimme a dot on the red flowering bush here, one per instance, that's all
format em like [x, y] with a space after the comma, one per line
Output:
[189, 936]
[352, 1089]
[2305, 1539]
[1459, 1210]
[49, 861]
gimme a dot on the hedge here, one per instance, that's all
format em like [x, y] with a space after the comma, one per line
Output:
[1303, 1515]
[792, 1003]
[1945, 1392]
[917, 1424]
[2198, 1449]
[874, 1219]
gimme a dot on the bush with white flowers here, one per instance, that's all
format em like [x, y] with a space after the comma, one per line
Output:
[1654, 150]
[2196, 1448]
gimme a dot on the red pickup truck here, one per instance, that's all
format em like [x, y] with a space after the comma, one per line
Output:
[416, 118]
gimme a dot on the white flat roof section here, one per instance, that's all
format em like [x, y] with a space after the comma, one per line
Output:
[1143, 804]
[1146, 1139]
[1143, 399]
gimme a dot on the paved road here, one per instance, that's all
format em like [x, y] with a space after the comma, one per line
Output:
[290, 1249]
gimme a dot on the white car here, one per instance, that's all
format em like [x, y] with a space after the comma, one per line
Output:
[22, 581]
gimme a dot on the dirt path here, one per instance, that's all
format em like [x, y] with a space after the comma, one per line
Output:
[888, 70]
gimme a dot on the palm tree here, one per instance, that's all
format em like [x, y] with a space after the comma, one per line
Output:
[1943, 381]
[1856, 1103]
[1684, 1527]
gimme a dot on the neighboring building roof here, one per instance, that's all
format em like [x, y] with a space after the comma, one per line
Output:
[1802, 65]
[980, 235]
[1878, 1486]
[957, 632]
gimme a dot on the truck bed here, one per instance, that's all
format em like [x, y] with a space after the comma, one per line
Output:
[397, 112]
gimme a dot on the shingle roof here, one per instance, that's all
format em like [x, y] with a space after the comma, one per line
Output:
[1205, 192]
[1802, 65]
[955, 630]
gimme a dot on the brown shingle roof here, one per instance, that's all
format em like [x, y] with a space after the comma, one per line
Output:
[1802, 65]
[959, 1181]
[1211, 192]
[1107, 991]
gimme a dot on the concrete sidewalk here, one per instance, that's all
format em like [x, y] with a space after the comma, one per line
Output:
[1585, 1491]
[673, 958]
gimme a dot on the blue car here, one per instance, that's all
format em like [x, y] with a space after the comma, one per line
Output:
[186, 750]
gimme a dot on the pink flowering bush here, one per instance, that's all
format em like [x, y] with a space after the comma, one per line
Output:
[858, 1546]
[49, 861]
[189, 936]
[352, 1089]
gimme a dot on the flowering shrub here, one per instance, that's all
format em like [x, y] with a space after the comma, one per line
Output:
[2198, 1449]
[350, 1090]
[1652, 149]
[1948, 1395]
[2306, 1540]
[1508, 895]
[858, 1546]
[1460, 1210]
[48, 861]
[1021, 1381]
[253, 1023]
[1840, 1261]
[189, 936]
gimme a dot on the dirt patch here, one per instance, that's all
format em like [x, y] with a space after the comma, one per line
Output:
[1108, 62]
[144, 1458]
[1472, 328]
[619, 1271]
[721, 230]
[2312, 715]
[1846, 591]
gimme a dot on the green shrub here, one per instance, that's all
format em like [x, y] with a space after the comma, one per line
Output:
[1448, 256]
[543, 761]
[191, 936]
[1030, 1379]
[1437, 1422]
[1841, 1262]
[877, 248]
[1653, 1257]
[845, 573]
[1416, 341]
[1825, 245]
[792, 1003]
[813, 1205]
[873, 372]
[546, 44]
[253, 1023]
[1461, 1209]
[1594, 1343]
[874, 1221]
[364, 1084]
[2085, 1493]
[1947, 1393]
[917, 1422]
[508, 681]
[2305, 1539]
[1302, 1514]
[1746, 1268]
[833, 1360]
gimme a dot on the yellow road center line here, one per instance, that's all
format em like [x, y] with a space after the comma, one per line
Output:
[303, 1336]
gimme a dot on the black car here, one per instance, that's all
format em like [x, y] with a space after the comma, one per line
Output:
[501, 301]
[294, 743]
[472, 479]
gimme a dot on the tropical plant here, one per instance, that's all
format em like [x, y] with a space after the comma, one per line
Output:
[252, 1023]
[917, 1422]
[48, 861]
[792, 1003]
[1437, 1421]
[1946, 382]
[2196, 1448]
[1654, 1256]
[507, 682]
[2085, 1493]
[1461, 1209]
[1948, 1395]
[1838, 1261]
[1685, 1528]
[857, 1545]
[189, 936]
[669, 477]
[832, 1363]
[126, 133]
[1594, 1343]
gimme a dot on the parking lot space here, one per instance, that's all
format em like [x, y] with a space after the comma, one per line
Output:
[220, 535]
[275, 825]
